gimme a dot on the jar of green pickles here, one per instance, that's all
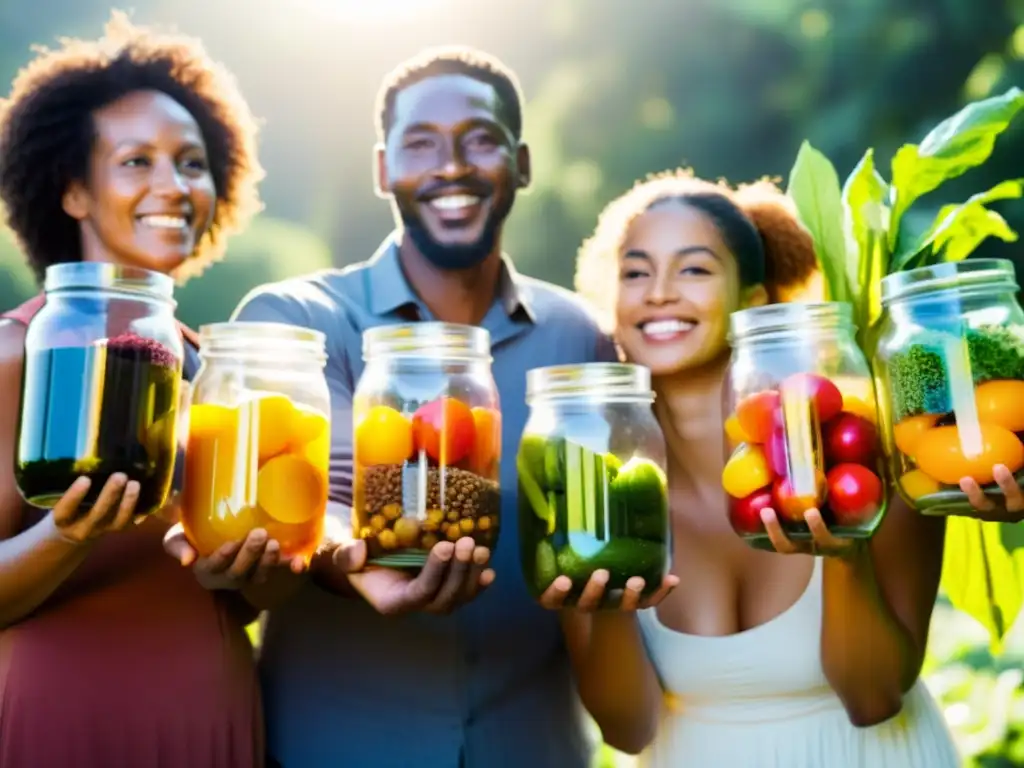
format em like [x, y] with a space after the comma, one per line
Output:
[592, 480]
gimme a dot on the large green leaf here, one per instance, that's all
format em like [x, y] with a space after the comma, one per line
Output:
[981, 577]
[814, 189]
[959, 229]
[957, 144]
[865, 225]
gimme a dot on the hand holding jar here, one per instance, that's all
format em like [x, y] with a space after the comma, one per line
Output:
[805, 460]
[950, 369]
[593, 492]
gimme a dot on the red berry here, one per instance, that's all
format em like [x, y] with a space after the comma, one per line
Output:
[855, 494]
[745, 513]
[850, 438]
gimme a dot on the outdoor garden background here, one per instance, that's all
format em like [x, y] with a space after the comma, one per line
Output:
[615, 89]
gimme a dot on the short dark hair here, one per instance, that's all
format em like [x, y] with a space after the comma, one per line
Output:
[46, 133]
[456, 60]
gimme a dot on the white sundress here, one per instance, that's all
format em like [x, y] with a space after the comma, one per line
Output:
[759, 699]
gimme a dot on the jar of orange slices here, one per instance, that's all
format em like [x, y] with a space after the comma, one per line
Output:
[258, 438]
[426, 443]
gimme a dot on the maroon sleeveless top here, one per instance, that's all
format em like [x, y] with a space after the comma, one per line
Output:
[129, 664]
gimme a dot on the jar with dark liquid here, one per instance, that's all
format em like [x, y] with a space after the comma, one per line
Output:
[100, 384]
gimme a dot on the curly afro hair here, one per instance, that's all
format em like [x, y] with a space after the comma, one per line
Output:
[46, 133]
[454, 60]
[758, 223]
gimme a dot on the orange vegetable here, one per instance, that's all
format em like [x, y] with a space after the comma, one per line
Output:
[941, 455]
[384, 436]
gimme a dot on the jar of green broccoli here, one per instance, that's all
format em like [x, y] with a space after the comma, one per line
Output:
[592, 486]
[949, 370]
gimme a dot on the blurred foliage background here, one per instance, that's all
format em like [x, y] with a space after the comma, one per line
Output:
[615, 90]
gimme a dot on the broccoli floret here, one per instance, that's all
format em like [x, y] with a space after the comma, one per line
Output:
[918, 378]
[918, 375]
[996, 353]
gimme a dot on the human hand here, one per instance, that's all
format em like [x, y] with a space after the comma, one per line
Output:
[822, 541]
[593, 593]
[235, 564]
[454, 574]
[113, 511]
[1009, 508]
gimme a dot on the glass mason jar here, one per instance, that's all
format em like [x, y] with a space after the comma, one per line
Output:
[949, 365]
[592, 480]
[100, 384]
[259, 437]
[801, 430]
[426, 441]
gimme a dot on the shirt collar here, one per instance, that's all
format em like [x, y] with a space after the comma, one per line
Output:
[389, 290]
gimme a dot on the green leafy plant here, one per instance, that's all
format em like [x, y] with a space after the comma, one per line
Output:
[861, 234]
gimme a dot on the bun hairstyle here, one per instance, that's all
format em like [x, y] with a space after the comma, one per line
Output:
[757, 221]
[789, 258]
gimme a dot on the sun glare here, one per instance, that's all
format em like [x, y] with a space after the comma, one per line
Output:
[377, 11]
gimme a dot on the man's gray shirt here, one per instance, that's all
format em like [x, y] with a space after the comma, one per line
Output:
[489, 686]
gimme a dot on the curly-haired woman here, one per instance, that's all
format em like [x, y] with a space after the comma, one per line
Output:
[768, 660]
[134, 149]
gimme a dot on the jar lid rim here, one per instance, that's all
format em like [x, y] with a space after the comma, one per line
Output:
[415, 338]
[589, 380]
[947, 274]
[788, 316]
[100, 274]
[261, 339]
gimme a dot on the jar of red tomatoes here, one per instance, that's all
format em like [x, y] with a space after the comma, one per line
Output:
[801, 426]
[949, 363]
[426, 442]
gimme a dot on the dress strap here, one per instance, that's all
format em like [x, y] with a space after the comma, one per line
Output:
[25, 312]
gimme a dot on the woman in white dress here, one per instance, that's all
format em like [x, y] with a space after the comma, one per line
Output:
[745, 658]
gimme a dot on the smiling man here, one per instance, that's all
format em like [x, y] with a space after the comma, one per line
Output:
[373, 669]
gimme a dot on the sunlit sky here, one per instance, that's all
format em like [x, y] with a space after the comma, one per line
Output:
[376, 11]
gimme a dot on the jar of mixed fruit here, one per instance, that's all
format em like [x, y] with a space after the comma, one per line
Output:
[949, 363]
[592, 486]
[259, 438]
[100, 387]
[426, 442]
[801, 429]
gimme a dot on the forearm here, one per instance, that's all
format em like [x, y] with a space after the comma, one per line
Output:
[616, 680]
[32, 565]
[868, 656]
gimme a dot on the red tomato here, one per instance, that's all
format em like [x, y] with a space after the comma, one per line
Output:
[851, 439]
[789, 506]
[745, 513]
[758, 413]
[445, 429]
[854, 493]
[828, 400]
